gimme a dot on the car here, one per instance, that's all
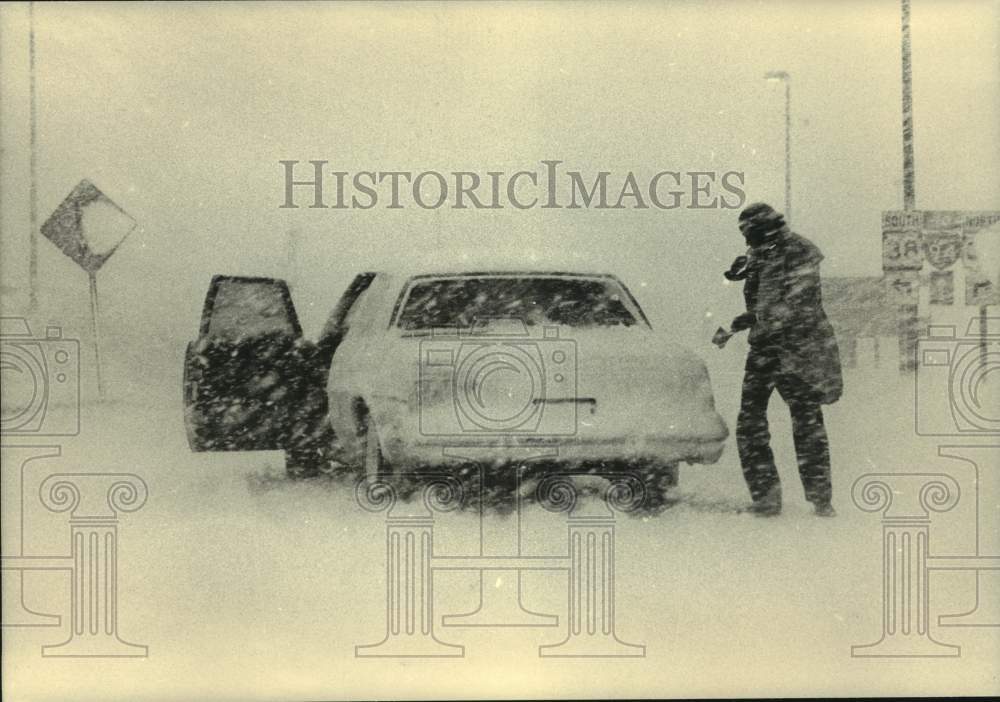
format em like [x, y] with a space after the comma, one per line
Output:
[443, 369]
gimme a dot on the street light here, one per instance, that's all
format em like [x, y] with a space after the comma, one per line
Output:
[787, 80]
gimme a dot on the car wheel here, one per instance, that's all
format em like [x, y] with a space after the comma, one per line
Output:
[375, 466]
[658, 480]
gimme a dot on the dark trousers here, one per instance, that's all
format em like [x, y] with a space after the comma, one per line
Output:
[762, 375]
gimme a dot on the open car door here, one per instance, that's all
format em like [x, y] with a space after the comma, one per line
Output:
[251, 382]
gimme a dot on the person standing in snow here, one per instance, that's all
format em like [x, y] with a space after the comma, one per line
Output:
[792, 349]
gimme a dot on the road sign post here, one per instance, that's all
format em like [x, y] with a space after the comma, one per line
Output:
[88, 227]
[95, 326]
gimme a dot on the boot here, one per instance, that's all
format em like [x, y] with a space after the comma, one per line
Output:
[824, 509]
[769, 505]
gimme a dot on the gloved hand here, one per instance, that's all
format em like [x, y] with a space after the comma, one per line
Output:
[721, 337]
[744, 321]
[738, 269]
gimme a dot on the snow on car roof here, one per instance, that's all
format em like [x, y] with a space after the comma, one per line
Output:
[472, 273]
[455, 271]
[452, 263]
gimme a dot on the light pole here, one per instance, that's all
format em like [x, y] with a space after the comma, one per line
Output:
[909, 170]
[787, 80]
[909, 313]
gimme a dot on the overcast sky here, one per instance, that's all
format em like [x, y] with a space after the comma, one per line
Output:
[181, 112]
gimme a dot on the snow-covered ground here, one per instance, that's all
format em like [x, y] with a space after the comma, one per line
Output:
[246, 585]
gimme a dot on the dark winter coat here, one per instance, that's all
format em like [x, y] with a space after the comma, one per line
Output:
[785, 313]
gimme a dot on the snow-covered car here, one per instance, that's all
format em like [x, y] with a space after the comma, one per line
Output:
[450, 368]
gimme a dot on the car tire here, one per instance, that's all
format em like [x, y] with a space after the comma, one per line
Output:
[374, 466]
[658, 480]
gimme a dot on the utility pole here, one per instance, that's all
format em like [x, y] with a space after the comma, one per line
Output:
[909, 188]
[33, 182]
[909, 318]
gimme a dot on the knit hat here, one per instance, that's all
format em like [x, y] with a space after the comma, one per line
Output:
[760, 214]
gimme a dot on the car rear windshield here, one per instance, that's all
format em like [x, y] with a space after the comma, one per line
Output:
[464, 302]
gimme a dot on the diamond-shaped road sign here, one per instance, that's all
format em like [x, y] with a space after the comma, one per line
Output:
[88, 227]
